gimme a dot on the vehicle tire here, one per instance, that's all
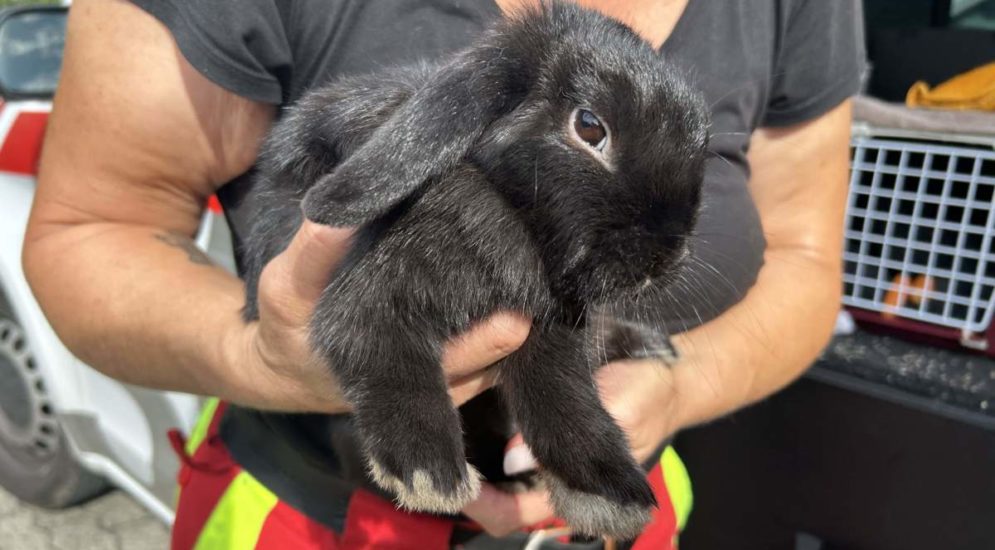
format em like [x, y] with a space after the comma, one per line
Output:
[36, 463]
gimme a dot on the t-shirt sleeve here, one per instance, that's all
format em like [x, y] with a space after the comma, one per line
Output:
[820, 59]
[241, 46]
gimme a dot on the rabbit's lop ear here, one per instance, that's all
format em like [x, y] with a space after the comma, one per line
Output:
[426, 136]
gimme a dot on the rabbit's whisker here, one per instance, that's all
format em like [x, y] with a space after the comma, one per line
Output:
[764, 341]
[742, 85]
[723, 235]
[580, 317]
[728, 134]
[535, 181]
[722, 158]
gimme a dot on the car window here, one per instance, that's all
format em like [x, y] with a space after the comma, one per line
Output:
[31, 46]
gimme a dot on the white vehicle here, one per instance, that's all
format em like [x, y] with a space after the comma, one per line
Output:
[66, 431]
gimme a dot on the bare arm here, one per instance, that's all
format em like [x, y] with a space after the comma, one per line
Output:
[777, 331]
[770, 337]
[137, 141]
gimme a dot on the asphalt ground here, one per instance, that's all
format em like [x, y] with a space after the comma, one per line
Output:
[111, 522]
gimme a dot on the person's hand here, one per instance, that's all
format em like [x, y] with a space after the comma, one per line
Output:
[640, 396]
[277, 364]
[500, 513]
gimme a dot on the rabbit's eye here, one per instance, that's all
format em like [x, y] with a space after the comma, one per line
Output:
[589, 128]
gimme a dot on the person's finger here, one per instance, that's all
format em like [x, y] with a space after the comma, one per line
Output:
[501, 513]
[467, 387]
[292, 282]
[311, 257]
[485, 343]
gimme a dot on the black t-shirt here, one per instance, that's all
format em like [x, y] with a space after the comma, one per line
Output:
[760, 63]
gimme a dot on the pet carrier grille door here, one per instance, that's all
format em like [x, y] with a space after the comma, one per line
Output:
[919, 235]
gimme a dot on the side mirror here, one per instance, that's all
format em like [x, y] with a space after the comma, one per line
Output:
[31, 44]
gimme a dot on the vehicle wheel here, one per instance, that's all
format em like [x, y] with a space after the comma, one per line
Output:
[36, 464]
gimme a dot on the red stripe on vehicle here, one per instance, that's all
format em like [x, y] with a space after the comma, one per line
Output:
[213, 204]
[22, 147]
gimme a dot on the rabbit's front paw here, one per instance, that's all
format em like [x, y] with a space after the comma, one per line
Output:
[422, 462]
[428, 490]
[598, 515]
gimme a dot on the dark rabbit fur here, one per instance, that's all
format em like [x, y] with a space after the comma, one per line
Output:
[474, 192]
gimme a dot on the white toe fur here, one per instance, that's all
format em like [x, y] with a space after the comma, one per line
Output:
[423, 497]
[594, 515]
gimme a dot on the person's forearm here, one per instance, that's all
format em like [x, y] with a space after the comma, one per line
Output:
[140, 304]
[143, 306]
[762, 343]
[798, 183]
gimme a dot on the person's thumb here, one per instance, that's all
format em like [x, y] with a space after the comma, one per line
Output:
[311, 258]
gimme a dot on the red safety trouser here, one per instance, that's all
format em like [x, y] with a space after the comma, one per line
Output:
[223, 507]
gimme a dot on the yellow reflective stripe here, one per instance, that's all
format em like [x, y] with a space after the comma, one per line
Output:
[678, 482]
[200, 428]
[238, 518]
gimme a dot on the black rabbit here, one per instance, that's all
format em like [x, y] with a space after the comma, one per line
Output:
[554, 168]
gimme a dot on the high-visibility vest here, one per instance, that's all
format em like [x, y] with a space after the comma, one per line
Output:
[220, 506]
